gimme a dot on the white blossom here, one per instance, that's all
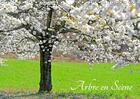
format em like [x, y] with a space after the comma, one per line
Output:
[70, 1]
[104, 31]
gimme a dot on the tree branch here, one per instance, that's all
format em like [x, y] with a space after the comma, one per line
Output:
[16, 28]
[66, 30]
[136, 26]
[37, 34]
[49, 18]
[27, 27]
[17, 14]
[135, 36]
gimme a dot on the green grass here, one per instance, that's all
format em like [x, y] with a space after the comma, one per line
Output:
[23, 75]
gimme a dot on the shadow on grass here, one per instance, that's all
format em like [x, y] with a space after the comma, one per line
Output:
[57, 96]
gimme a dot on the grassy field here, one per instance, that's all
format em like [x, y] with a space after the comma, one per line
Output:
[23, 76]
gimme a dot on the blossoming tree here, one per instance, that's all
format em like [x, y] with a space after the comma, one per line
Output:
[96, 30]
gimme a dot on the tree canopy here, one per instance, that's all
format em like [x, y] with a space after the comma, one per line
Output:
[96, 30]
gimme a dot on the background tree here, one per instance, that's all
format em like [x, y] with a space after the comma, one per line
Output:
[96, 30]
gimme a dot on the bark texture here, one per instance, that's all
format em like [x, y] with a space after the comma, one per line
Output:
[45, 69]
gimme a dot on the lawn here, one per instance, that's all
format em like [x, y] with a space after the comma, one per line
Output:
[23, 75]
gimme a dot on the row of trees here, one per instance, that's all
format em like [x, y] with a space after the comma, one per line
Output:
[96, 30]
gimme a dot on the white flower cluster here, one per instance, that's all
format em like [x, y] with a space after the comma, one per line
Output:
[108, 30]
[7, 7]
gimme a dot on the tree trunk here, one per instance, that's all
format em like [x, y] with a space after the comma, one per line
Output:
[45, 69]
